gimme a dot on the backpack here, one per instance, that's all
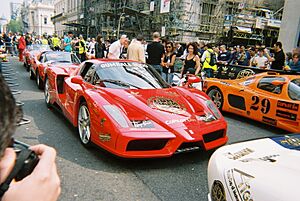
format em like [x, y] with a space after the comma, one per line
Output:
[213, 59]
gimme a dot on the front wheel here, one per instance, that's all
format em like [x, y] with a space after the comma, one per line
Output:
[31, 75]
[39, 80]
[84, 125]
[47, 92]
[217, 97]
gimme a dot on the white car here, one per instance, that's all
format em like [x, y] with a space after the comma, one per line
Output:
[266, 169]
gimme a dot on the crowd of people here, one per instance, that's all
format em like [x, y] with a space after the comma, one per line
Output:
[161, 53]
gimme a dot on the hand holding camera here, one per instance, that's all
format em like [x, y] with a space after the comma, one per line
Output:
[42, 184]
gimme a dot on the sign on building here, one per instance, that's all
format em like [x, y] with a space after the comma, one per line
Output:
[165, 6]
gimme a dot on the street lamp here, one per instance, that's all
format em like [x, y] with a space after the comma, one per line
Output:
[41, 23]
[54, 21]
[118, 31]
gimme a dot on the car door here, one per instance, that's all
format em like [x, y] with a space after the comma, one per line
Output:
[71, 89]
[264, 99]
[238, 96]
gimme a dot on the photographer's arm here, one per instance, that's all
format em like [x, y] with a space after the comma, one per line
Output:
[42, 184]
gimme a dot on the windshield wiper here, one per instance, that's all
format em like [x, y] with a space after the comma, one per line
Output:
[118, 82]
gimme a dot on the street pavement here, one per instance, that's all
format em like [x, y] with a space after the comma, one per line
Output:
[95, 175]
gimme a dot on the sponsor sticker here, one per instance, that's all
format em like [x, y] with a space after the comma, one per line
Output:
[286, 115]
[288, 105]
[270, 121]
[288, 141]
[239, 154]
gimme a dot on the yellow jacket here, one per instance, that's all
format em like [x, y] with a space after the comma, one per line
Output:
[206, 59]
[55, 42]
[82, 48]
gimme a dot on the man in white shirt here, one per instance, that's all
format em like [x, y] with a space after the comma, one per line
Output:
[261, 60]
[116, 48]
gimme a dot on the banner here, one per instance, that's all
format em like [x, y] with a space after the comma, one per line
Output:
[165, 6]
[237, 72]
[152, 3]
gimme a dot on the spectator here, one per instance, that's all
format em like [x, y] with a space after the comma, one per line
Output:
[260, 60]
[243, 57]
[21, 47]
[168, 62]
[224, 56]
[125, 49]
[209, 66]
[279, 57]
[253, 54]
[155, 52]
[201, 48]
[295, 63]
[288, 57]
[116, 48]
[67, 42]
[55, 42]
[91, 48]
[191, 63]
[136, 51]
[99, 47]
[82, 48]
[179, 49]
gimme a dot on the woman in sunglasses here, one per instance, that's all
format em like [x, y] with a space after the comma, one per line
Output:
[191, 63]
[168, 61]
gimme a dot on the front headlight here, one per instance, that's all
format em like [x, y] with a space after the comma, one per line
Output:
[214, 109]
[116, 114]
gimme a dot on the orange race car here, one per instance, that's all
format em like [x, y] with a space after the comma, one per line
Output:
[269, 97]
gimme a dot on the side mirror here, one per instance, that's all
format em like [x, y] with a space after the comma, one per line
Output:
[77, 80]
[193, 79]
[278, 82]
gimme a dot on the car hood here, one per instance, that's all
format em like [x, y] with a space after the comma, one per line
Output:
[269, 167]
[173, 107]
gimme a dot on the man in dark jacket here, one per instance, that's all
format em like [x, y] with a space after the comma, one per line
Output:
[155, 52]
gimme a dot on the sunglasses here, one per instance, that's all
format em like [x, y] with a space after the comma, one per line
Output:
[169, 47]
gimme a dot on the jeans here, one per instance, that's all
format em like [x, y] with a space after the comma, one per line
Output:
[209, 72]
[158, 68]
[168, 77]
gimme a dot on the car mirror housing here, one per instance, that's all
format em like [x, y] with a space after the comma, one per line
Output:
[193, 79]
[77, 79]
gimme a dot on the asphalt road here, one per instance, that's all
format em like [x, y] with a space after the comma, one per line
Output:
[96, 175]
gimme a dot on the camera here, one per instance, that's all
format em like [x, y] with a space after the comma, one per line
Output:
[26, 158]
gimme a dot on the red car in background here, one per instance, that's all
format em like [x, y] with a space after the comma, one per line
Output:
[127, 109]
[48, 59]
[31, 52]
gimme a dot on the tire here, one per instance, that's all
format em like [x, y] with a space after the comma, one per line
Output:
[216, 96]
[47, 93]
[39, 80]
[84, 128]
[31, 75]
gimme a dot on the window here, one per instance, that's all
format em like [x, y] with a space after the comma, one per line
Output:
[45, 20]
[294, 89]
[266, 84]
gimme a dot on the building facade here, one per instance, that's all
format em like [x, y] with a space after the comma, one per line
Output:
[36, 16]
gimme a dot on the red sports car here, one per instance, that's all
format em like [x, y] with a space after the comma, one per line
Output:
[31, 52]
[126, 108]
[50, 58]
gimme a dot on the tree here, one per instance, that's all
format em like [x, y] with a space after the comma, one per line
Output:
[15, 26]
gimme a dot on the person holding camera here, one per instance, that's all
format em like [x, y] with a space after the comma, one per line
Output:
[43, 182]
[279, 58]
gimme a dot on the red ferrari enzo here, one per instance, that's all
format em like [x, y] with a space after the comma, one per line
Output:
[50, 58]
[127, 109]
[31, 52]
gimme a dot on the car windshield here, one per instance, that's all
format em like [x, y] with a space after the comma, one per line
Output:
[129, 74]
[61, 57]
[39, 47]
[294, 89]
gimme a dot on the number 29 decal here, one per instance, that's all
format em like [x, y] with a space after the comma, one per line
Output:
[264, 104]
